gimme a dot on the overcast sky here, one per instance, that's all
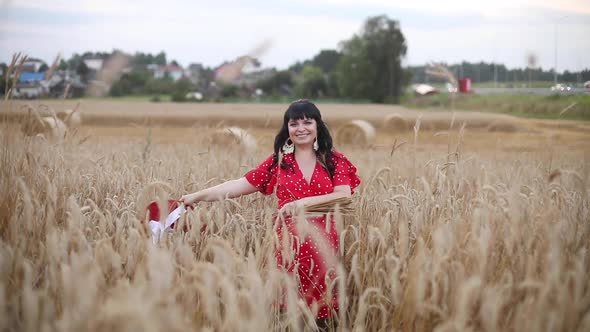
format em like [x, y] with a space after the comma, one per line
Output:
[210, 32]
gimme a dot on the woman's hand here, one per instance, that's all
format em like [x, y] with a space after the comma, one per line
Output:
[292, 208]
[189, 199]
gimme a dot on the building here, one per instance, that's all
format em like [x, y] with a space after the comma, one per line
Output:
[251, 77]
[94, 64]
[172, 71]
[30, 85]
[32, 65]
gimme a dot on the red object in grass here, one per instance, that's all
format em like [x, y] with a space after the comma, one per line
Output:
[153, 210]
[153, 213]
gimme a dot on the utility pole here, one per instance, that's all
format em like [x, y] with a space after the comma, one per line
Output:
[555, 57]
[495, 75]
[555, 49]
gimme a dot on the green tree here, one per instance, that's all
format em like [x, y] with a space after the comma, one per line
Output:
[229, 90]
[133, 82]
[63, 65]
[159, 86]
[181, 88]
[355, 70]
[326, 60]
[312, 83]
[160, 59]
[3, 68]
[370, 66]
[279, 83]
[83, 71]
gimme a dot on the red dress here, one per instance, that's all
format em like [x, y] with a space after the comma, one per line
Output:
[312, 259]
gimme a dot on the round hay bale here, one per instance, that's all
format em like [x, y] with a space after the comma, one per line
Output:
[356, 132]
[504, 126]
[232, 136]
[71, 118]
[395, 122]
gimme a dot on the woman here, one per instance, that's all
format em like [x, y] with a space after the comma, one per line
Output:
[304, 170]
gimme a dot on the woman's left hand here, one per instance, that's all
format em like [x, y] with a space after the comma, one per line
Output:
[291, 208]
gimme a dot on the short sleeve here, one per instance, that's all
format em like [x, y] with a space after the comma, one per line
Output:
[262, 178]
[344, 172]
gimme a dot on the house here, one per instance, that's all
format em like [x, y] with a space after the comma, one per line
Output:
[94, 64]
[36, 85]
[68, 87]
[32, 65]
[251, 77]
[172, 71]
[30, 85]
[31, 77]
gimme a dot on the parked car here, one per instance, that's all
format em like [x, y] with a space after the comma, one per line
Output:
[424, 89]
[562, 88]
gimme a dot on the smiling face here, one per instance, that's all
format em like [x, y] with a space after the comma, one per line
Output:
[303, 131]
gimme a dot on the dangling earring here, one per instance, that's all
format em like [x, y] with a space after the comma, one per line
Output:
[289, 146]
[316, 146]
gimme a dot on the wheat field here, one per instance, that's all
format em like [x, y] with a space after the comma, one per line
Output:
[456, 229]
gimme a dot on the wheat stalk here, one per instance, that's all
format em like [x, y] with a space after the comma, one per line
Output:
[343, 205]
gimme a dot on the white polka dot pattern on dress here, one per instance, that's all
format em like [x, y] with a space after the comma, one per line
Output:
[305, 260]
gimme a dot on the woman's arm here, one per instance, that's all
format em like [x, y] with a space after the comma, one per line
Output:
[228, 189]
[342, 191]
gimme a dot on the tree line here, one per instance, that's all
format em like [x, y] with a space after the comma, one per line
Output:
[368, 66]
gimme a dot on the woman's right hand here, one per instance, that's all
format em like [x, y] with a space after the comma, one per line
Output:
[189, 199]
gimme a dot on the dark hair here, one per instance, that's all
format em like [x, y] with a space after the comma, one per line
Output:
[298, 110]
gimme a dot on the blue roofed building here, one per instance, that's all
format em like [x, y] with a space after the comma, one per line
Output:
[31, 77]
[30, 85]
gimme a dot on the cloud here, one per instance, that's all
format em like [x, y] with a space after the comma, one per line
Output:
[496, 8]
[80, 6]
[210, 33]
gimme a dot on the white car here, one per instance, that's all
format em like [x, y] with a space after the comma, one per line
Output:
[561, 88]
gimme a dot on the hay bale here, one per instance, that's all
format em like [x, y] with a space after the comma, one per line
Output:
[356, 132]
[395, 122]
[504, 126]
[233, 136]
[71, 118]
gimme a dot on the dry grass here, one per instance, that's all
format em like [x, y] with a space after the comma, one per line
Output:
[487, 237]
[233, 136]
[71, 117]
[124, 113]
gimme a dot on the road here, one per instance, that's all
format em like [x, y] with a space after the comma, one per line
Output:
[534, 91]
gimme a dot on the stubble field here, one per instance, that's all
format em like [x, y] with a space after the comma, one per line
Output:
[484, 228]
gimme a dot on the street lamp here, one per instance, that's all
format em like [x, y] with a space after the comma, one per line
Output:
[555, 55]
